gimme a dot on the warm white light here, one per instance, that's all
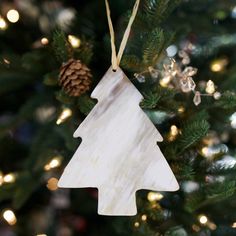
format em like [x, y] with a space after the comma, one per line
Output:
[55, 162]
[74, 41]
[233, 120]
[210, 87]
[9, 178]
[9, 216]
[205, 151]
[165, 81]
[66, 113]
[153, 196]
[1, 178]
[41, 234]
[174, 130]
[13, 16]
[44, 41]
[203, 219]
[136, 224]
[3, 24]
[6, 61]
[219, 64]
[181, 109]
[234, 225]
[144, 217]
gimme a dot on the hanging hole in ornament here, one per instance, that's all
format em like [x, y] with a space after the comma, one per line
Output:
[114, 70]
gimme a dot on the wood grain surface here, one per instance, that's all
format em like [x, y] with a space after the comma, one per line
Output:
[119, 153]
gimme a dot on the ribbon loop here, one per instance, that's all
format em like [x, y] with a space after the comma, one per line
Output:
[115, 59]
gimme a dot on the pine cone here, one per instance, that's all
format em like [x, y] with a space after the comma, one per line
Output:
[75, 77]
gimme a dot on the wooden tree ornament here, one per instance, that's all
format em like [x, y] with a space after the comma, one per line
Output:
[118, 154]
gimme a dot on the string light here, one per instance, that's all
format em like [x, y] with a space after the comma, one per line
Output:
[233, 120]
[41, 234]
[174, 130]
[210, 87]
[136, 224]
[10, 217]
[234, 225]
[217, 95]
[205, 151]
[165, 81]
[13, 15]
[3, 24]
[55, 162]
[6, 61]
[219, 64]
[181, 109]
[153, 196]
[144, 217]
[9, 178]
[203, 219]
[74, 41]
[65, 114]
[1, 179]
[52, 184]
[173, 133]
[44, 41]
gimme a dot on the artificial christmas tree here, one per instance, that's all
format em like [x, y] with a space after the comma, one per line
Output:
[197, 120]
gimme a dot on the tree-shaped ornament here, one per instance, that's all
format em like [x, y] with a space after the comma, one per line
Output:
[118, 154]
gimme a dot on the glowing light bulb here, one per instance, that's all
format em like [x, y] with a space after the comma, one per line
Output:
[13, 15]
[3, 24]
[181, 109]
[210, 87]
[234, 225]
[165, 81]
[205, 151]
[233, 120]
[153, 196]
[174, 130]
[136, 224]
[173, 133]
[10, 217]
[52, 184]
[9, 178]
[144, 217]
[203, 219]
[1, 179]
[74, 41]
[44, 41]
[41, 234]
[6, 61]
[219, 64]
[55, 162]
[66, 113]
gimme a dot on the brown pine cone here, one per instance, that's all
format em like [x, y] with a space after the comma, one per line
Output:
[75, 77]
